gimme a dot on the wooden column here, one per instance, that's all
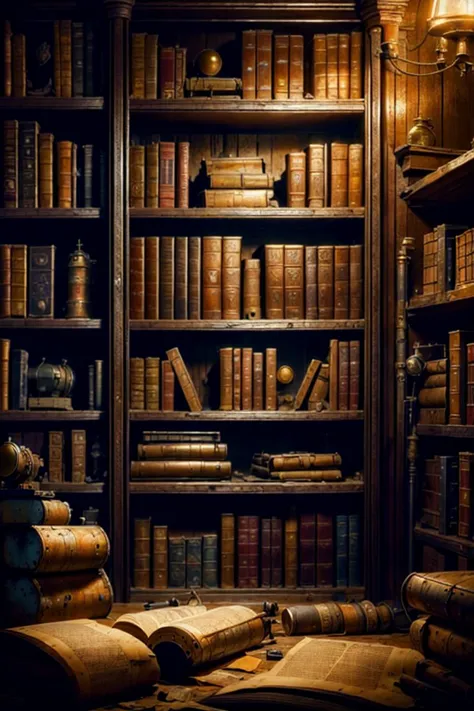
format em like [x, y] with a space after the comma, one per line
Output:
[119, 14]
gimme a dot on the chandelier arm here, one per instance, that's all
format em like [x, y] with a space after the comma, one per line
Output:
[417, 46]
[406, 60]
[423, 74]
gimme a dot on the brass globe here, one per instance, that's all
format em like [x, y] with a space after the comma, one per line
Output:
[285, 374]
[209, 62]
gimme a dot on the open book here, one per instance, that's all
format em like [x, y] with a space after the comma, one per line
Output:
[143, 624]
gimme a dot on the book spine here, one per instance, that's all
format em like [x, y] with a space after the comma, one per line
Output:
[226, 378]
[160, 557]
[324, 550]
[19, 379]
[432, 416]
[137, 277]
[152, 277]
[137, 383]
[343, 395]
[238, 198]
[449, 495]
[343, 76]
[258, 381]
[306, 383]
[291, 552]
[264, 64]
[450, 262]
[317, 182]
[341, 282]
[251, 298]
[466, 487]
[247, 367]
[354, 562]
[46, 141]
[88, 151]
[177, 562]
[57, 59]
[249, 64]
[91, 378]
[209, 561]
[181, 437]
[29, 164]
[180, 72]
[469, 383]
[231, 277]
[183, 450]
[311, 282]
[74, 175]
[270, 379]
[355, 281]
[281, 67]
[167, 174]
[266, 553]
[19, 256]
[212, 277]
[64, 156]
[137, 176]
[333, 374]
[19, 65]
[78, 59]
[307, 550]
[294, 281]
[274, 280]
[152, 384]
[181, 278]
[319, 66]
[194, 562]
[246, 165]
[152, 174]
[194, 296]
[10, 164]
[243, 551]
[436, 366]
[253, 551]
[89, 59]
[65, 41]
[276, 552]
[99, 382]
[326, 282]
[4, 374]
[183, 174]
[227, 550]
[237, 378]
[439, 380]
[78, 456]
[356, 157]
[41, 281]
[456, 378]
[332, 66]
[5, 280]
[167, 72]
[184, 379]
[167, 274]
[296, 71]
[319, 393]
[150, 66]
[339, 174]
[296, 179]
[137, 78]
[7, 58]
[342, 533]
[432, 397]
[167, 386]
[354, 375]
[356, 66]
[56, 456]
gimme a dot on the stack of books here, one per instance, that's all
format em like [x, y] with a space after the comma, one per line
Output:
[238, 182]
[157, 72]
[159, 174]
[445, 259]
[465, 258]
[297, 466]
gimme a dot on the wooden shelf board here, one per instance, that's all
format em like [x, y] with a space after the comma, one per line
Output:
[246, 213]
[249, 416]
[51, 103]
[281, 595]
[53, 213]
[69, 487]
[451, 184]
[443, 299]
[459, 431]
[245, 487]
[50, 415]
[245, 325]
[454, 544]
[51, 323]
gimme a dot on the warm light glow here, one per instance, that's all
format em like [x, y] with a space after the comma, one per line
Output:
[452, 18]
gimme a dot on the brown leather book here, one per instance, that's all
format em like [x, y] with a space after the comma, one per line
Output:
[19, 265]
[238, 198]
[296, 67]
[296, 179]
[46, 159]
[324, 550]
[160, 557]
[430, 263]
[252, 301]
[326, 282]
[141, 552]
[241, 165]
[270, 379]
[356, 66]
[436, 381]
[294, 281]
[307, 557]
[28, 164]
[64, 173]
[236, 378]
[227, 550]
[317, 175]
[55, 456]
[457, 375]
[184, 379]
[212, 277]
[7, 58]
[183, 174]
[180, 72]
[281, 67]
[19, 65]
[339, 174]
[436, 366]
[247, 372]
[319, 66]
[152, 152]
[11, 189]
[148, 77]
[276, 552]
[343, 395]
[291, 552]
[152, 384]
[355, 282]
[231, 277]
[194, 276]
[78, 456]
[266, 553]
[167, 273]
[183, 450]
[74, 175]
[343, 73]
[466, 494]
[333, 374]
[167, 72]
[303, 390]
[341, 282]
[172, 469]
[41, 281]
[241, 180]
[356, 158]
[318, 396]
[226, 378]
[152, 276]
[354, 375]
[432, 416]
[433, 397]
[311, 282]
[167, 174]
[137, 383]
[332, 66]
[5, 280]
[303, 461]
[137, 176]
[258, 381]
[137, 277]
[65, 41]
[181, 278]
[264, 64]
[167, 386]
[253, 551]
[57, 59]
[249, 63]
[4, 374]
[274, 280]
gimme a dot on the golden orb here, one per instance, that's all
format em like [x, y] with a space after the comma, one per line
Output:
[285, 374]
[209, 62]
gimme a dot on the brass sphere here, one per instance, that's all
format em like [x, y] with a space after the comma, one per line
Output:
[209, 62]
[285, 374]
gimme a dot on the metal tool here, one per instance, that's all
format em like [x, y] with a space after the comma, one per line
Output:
[192, 599]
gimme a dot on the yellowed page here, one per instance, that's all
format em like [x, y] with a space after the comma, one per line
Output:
[142, 624]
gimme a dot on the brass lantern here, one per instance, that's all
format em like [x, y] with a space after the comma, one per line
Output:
[79, 280]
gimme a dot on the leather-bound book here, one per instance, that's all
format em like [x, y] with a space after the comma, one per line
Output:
[294, 281]
[167, 72]
[457, 375]
[152, 384]
[432, 416]
[65, 41]
[433, 397]
[19, 65]
[167, 274]
[56, 456]
[342, 535]
[152, 276]
[7, 58]
[356, 170]
[209, 561]
[324, 550]
[212, 277]
[355, 569]
[319, 67]
[333, 374]
[341, 282]
[446, 251]
[247, 372]
[194, 275]
[343, 73]
[296, 179]
[252, 300]
[19, 380]
[231, 277]
[160, 557]
[5, 280]
[88, 175]
[184, 379]
[332, 66]
[78, 456]
[137, 383]
[264, 64]
[356, 66]
[237, 379]
[238, 198]
[270, 379]
[326, 282]
[241, 180]
[354, 375]
[274, 280]
[469, 383]
[291, 552]
[307, 550]
[11, 186]
[150, 66]
[311, 282]
[57, 59]
[227, 550]
[137, 79]
[188, 469]
[41, 281]
[46, 141]
[137, 176]
[466, 494]
[167, 174]
[355, 281]
[440, 380]
[433, 367]
[4, 374]
[317, 175]
[281, 67]
[183, 450]
[318, 396]
[266, 553]
[74, 175]
[194, 562]
[276, 552]
[226, 378]
[243, 535]
[343, 395]
[258, 381]
[253, 551]
[181, 278]
[296, 67]
[29, 131]
[249, 63]
[183, 174]
[152, 152]
[339, 174]
[449, 495]
[241, 165]
[303, 390]
[167, 386]
[78, 59]
[177, 561]
[430, 493]
[137, 277]
[180, 72]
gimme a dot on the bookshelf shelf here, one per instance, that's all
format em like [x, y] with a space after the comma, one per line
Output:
[450, 185]
[51, 323]
[246, 487]
[245, 213]
[463, 296]
[50, 415]
[53, 213]
[459, 431]
[51, 103]
[70, 487]
[224, 596]
[244, 325]
[248, 416]
[454, 544]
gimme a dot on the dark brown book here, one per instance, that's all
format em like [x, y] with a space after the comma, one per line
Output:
[303, 390]
[432, 416]
[227, 550]
[249, 62]
[152, 277]
[294, 281]
[180, 72]
[167, 386]
[88, 173]
[339, 174]
[469, 383]
[150, 75]
[355, 281]
[341, 282]
[46, 160]
[238, 198]
[7, 58]
[247, 372]
[264, 64]
[19, 266]
[258, 381]
[194, 276]
[183, 450]
[11, 188]
[281, 67]
[324, 550]
[65, 41]
[307, 551]
[160, 557]
[137, 176]
[152, 152]
[212, 277]
[19, 65]
[326, 282]
[436, 366]
[177, 561]
[55, 456]
[356, 163]
[167, 71]
[318, 397]
[236, 378]
[5, 280]
[231, 277]
[333, 374]
[167, 274]
[78, 456]
[141, 550]
[270, 379]
[74, 175]
[439, 380]
[296, 67]
[296, 179]
[243, 546]
[466, 493]
[78, 59]
[194, 562]
[319, 66]
[253, 551]
[184, 379]
[41, 281]
[137, 277]
[28, 166]
[332, 66]
[356, 66]
[433, 397]
[291, 552]
[181, 278]
[226, 378]
[354, 375]
[137, 383]
[252, 287]
[274, 281]
[343, 74]
[152, 384]
[266, 553]
[431, 493]
[317, 175]
[457, 375]
[183, 175]
[311, 282]
[167, 174]
[343, 395]
[276, 552]
[4, 374]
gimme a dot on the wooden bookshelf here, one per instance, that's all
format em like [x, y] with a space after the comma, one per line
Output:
[245, 325]
[51, 416]
[247, 487]
[248, 416]
[52, 323]
[70, 487]
[453, 544]
[448, 185]
[458, 431]
[51, 103]
[246, 213]
[53, 213]
[448, 300]
[253, 595]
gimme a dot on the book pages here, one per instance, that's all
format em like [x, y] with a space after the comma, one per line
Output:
[143, 624]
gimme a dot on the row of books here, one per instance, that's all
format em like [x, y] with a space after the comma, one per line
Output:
[448, 258]
[60, 59]
[297, 466]
[31, 178]
[314, 549]
[159, 174]
[172, 460]
[205, 277]
[156, 72]
[433, 560]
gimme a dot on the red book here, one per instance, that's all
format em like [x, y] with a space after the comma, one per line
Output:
[307, 550]
[266, 553]
[167, 72]
[354, 375]
[183, 174]
[253, 551]
[343, 390]
[324, 550]
[276, 555]
[243, 551]
[167, 172]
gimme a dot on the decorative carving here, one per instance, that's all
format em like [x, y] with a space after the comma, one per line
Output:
[388, 14]
[119, 8]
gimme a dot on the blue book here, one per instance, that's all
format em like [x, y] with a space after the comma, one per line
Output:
[342, 526]
[355, 577]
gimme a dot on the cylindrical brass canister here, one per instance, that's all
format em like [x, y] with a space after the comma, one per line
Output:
[50, 598]
[79, 280]
[371, 616]
[439, 642]
[143, 624]
[252, 289]
[35, 512]
[449, 595]
[385, 615]
[354, 618]
[53, 549]
[18, 464]
[323, 618]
